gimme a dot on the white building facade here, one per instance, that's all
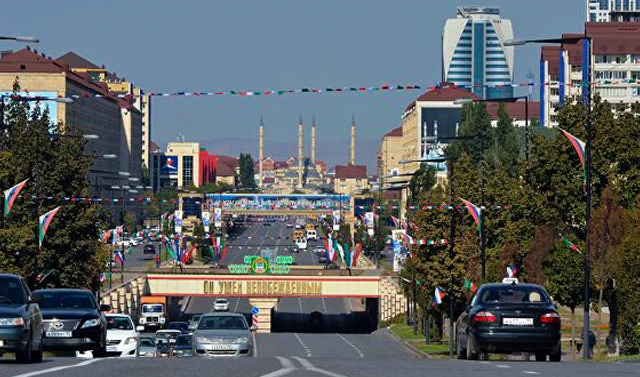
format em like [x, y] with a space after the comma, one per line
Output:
[473, 52]
[613, 10]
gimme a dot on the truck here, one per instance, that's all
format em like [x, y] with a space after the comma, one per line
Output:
[153, 312]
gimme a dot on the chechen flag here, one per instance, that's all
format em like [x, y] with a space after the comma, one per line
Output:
[10, 196]
[45, 221]
[438, 295]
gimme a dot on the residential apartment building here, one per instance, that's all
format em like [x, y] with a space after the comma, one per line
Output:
[473, 51]
[615, 68]
[95, 111]
[613, 10]
[350, 179]
[181, 165]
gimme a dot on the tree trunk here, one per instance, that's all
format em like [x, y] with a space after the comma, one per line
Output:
[573, 334]
[599, 330]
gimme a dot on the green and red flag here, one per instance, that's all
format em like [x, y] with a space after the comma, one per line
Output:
[469, 285]
[570, 244]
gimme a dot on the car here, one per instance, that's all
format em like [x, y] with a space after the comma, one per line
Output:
[223, 334]
[289, 225]
[147, 347]
[21, 323]
[510, 317]
[183, 327]
[164, 346]
[182, 347]
[122, 338]
[322, 258]
[319, 250]
[149, 249]
[73, 321]
[169, 336]
[221, 305]
[193, 322]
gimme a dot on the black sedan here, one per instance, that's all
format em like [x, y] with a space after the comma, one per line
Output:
[73, 321]
[20, 320]
[507, 318]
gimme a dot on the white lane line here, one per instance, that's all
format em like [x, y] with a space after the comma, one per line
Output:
[287, 367]
[310, 367]
[304, 346]
[324, 305]
[235, 309]
[502, 366]
[351, 344]
[255, 345]
[56, 369]
[529, 372]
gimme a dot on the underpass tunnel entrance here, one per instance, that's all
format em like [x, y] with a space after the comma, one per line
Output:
[325, 315]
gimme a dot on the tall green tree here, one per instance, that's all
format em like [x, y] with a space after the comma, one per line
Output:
[247, 173]
[507, 148]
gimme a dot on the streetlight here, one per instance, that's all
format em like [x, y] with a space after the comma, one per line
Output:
[463, 101]
[23, 39]
[586, 101]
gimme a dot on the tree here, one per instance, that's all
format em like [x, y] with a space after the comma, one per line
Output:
[507, 145]
[423, 180]
[247, 174]
[565, 280]
[36, 149]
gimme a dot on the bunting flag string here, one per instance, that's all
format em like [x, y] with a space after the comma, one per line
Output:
[334, 90]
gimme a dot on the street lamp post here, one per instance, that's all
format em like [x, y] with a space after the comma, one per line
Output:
[23, 39]
[586, 101]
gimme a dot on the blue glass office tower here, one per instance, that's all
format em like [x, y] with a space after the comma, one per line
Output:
[473, 53]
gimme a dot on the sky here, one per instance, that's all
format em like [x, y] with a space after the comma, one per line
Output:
[213, 45]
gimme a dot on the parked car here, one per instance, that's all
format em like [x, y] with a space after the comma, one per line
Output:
[73, 320]
[149, 249]
[221, 305]
[147, 347]
[510, 317]
[122, 338]
[223, 334]
[21, 323]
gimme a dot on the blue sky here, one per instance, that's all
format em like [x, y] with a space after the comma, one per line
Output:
[215, 45]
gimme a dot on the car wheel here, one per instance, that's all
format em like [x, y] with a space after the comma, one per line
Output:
[101, 351]
[24, 356]
[541, 356]
[470, 354]
[36, 355]
[462, 352]
[556, 355]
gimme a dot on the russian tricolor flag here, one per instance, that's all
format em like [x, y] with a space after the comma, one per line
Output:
[10, 196]
[579, 146]
[45, 221]
[438, 295]
[118, 258]
[475, 212]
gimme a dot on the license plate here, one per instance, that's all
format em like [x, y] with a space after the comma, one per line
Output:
[1, 343]
[112, 349]
[58, 334]
[517, 321]
[221, 348]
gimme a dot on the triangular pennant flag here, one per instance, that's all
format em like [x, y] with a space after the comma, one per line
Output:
[580, 147]
[438, 295]
[45, 221]
[475, 212]
[570, 244]
[10, 196]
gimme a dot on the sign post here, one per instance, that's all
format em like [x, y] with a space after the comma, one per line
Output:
[254, 314]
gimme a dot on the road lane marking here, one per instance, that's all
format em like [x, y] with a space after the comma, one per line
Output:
[306, 348]
[56, 369]
[255, 345]
[235, 309]
[502, 366]
[351, 344]
[310, 367]
[529, 372]
[287, 367]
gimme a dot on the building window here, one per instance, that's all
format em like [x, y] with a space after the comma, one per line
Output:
[187, 171]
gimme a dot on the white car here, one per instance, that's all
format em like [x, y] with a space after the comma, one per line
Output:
[122, 338]
[127, 242]
[221, 305]
[301, 243]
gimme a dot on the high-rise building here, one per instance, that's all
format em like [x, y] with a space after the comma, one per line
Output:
[473, 52]
[615, 68]
[613, 10]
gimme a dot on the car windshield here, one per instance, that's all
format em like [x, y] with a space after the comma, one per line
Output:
[147, 342]
[177, 326]
[221, 301]
[513, 294]
[222, 323]
[119, 323]
[66, 300]
[10, 291]
[152, 308]
[183, 341]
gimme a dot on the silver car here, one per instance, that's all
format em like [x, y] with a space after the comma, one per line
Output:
[223, 334]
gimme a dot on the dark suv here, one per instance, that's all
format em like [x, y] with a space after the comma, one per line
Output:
[149, 249]
[20, 320]
[73, 321]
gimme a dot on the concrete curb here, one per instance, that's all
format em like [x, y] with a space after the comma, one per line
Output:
[414, 350]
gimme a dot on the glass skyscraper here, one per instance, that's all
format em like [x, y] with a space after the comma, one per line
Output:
[473, 54]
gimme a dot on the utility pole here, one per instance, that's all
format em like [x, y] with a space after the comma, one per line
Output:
[452, 238]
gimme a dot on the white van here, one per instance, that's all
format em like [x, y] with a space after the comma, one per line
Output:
[301, 243]
[312, 235]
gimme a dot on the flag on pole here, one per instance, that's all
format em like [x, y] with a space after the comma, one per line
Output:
[469, 285]
[396, 223]
[45, 221]
[129, 250]
[438, 295]
[43, 275]
[117, 256]
[512, 271]
[105, 236]
[570, 244]
[103, 277]
[579, 146]
[475, 212]
[10, 196]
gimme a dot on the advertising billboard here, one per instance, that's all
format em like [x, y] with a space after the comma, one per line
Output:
[177, 220]
[206, 220]
[169, 165]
